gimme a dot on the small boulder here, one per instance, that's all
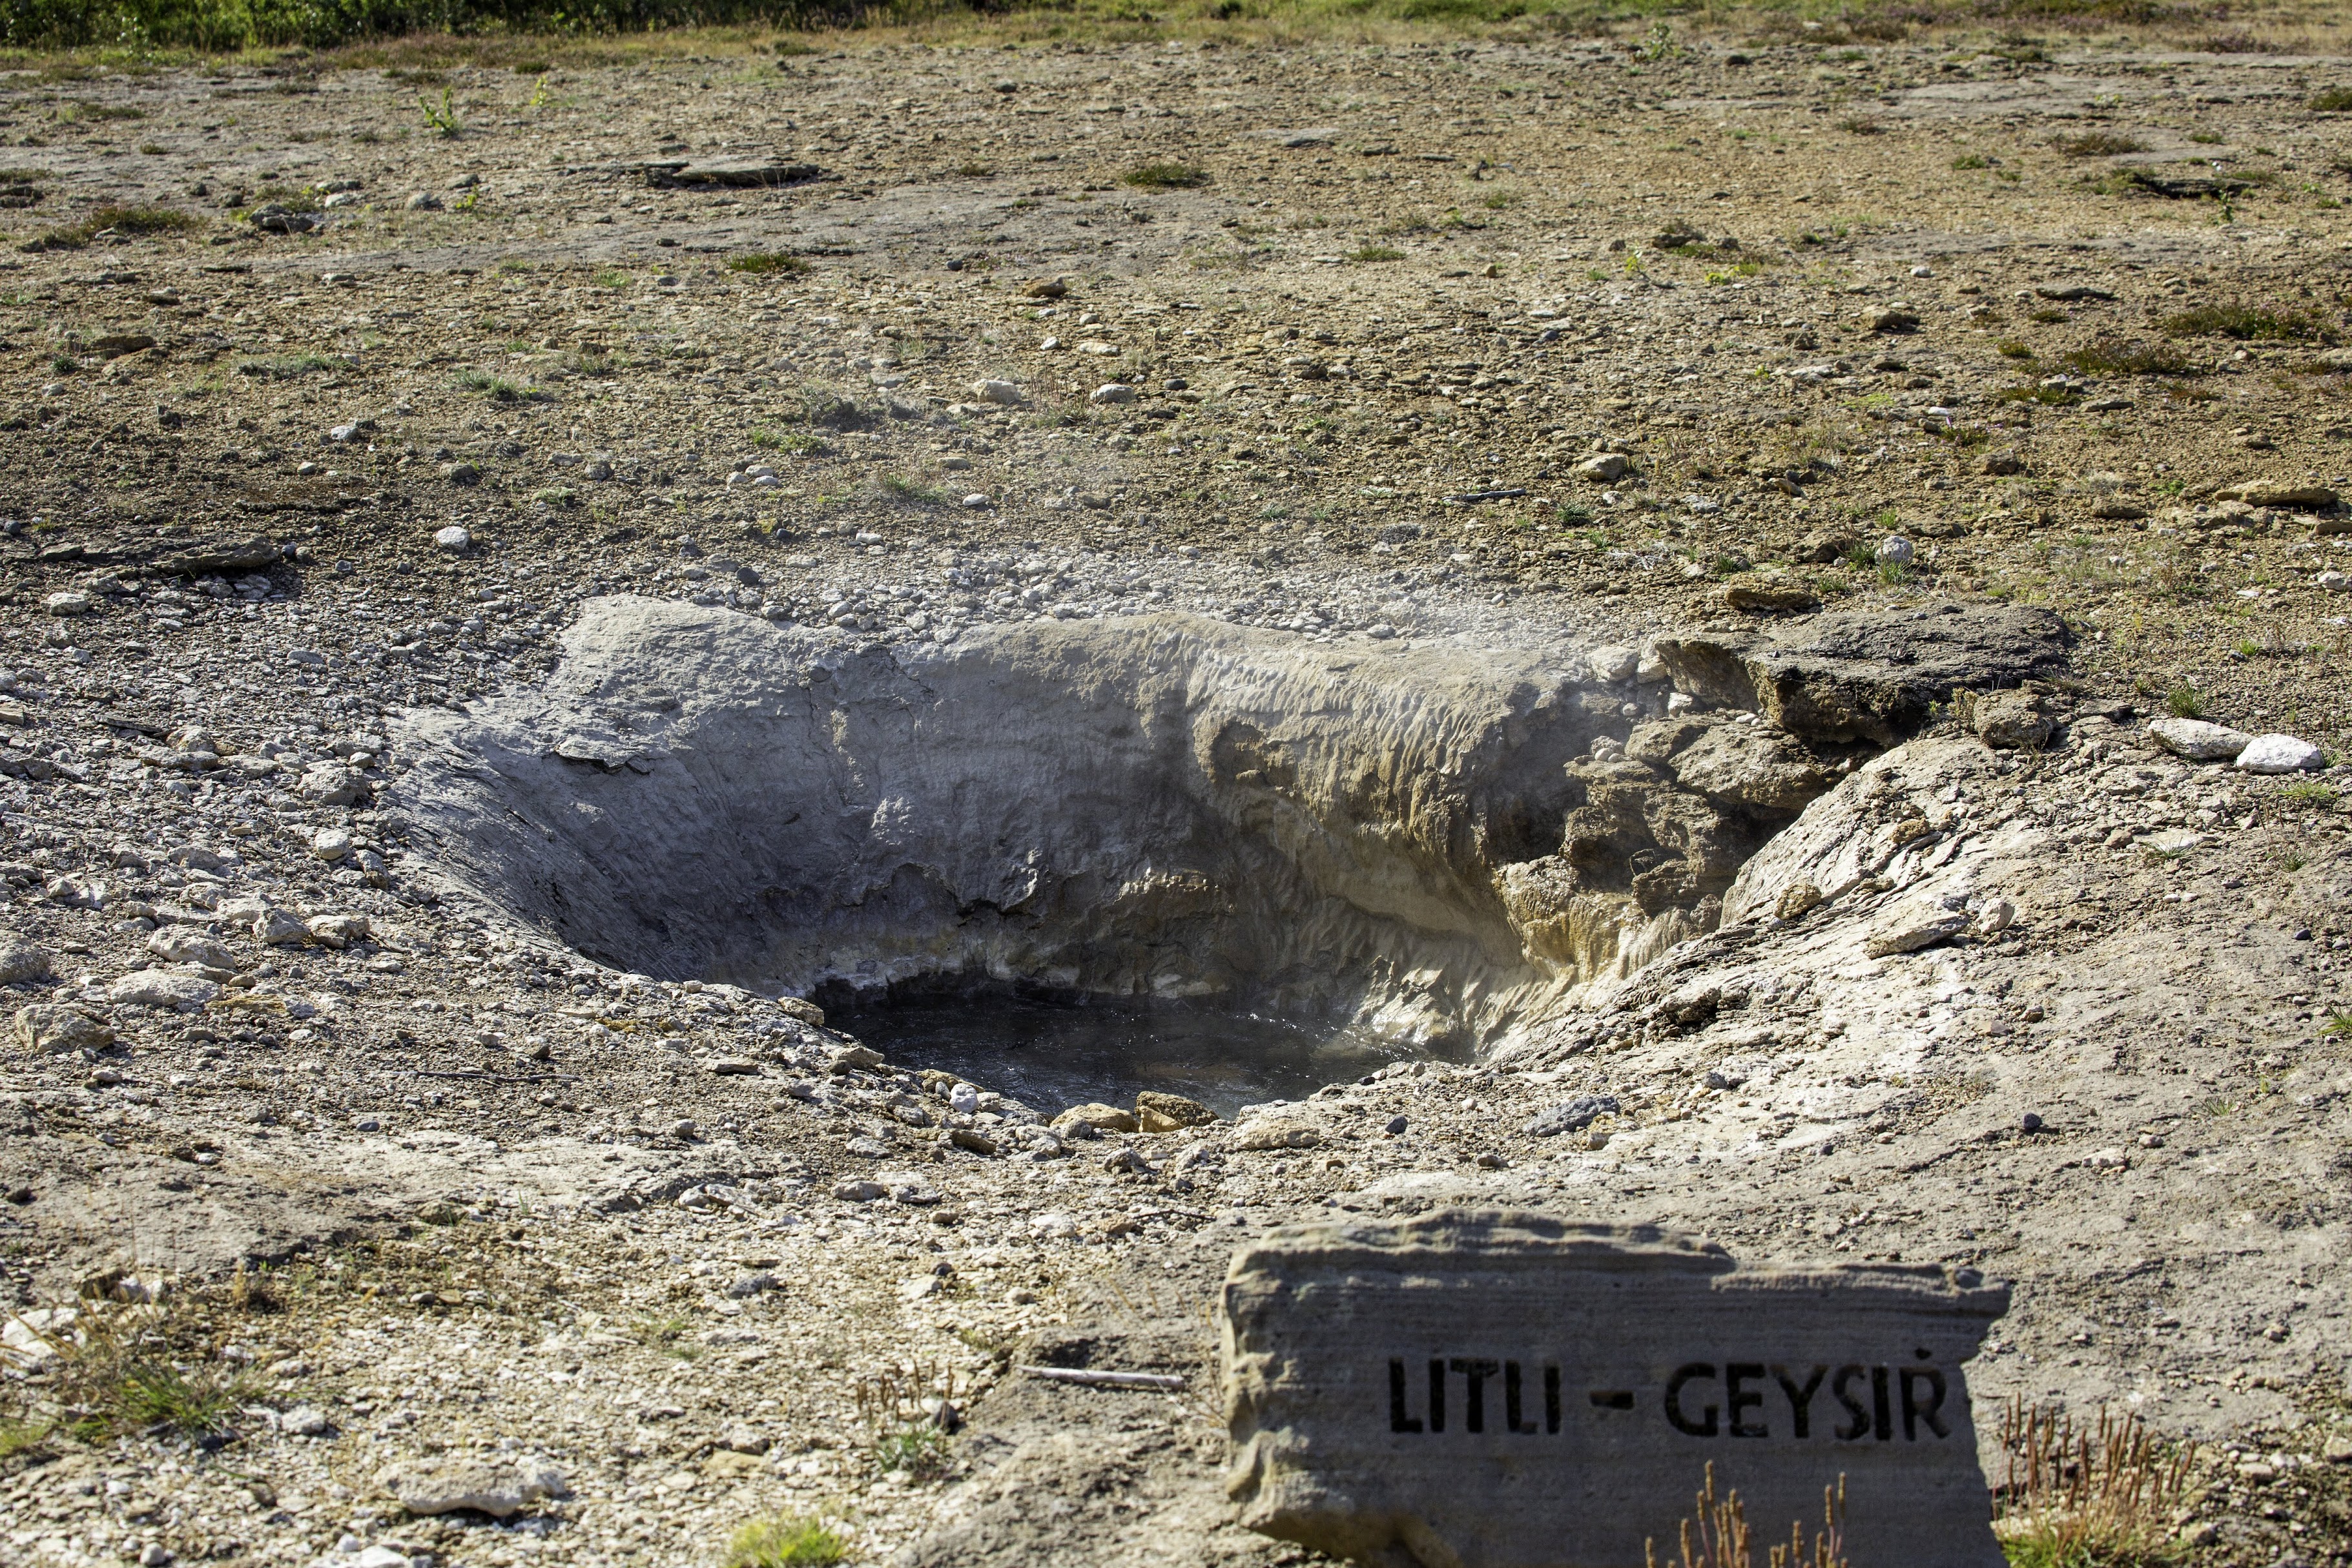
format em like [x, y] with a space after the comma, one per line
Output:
[55, 1026]
[1915, 931]
[1573, 1115]
[1768, 598]
[1101, 1118]
[1156, 1112]
[2199, 740]
[1273, 1129]
[1004, 393]
[2010, 721]
[20, 961]
[2281, 754]
[1603, 468]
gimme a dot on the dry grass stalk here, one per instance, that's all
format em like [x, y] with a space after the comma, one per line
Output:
[2101, 1493]
[1720, 1538]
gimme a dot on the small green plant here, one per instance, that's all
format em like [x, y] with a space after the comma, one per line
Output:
[1165, 177]
[2331, 100]
[920, 1449]
[975, 171]
[1971, 160]
[1861, 125]
[796, 443]
[2009, 348]
[783, 1543]
[1661, 45]
[610, 279]
[2185, 701]
[496, 389]
[1376, 253]
[2339, 1026]
[441, 119]
[768, 263]
[2309, 791]
[2206, 138]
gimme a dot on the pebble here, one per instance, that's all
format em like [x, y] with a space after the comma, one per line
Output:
[457, 540]
[1896, 551]
[998, 392]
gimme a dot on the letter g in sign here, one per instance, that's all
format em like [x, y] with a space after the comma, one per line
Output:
[1676, 1414]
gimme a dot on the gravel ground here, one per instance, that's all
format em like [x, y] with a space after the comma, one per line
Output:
[1510, 343]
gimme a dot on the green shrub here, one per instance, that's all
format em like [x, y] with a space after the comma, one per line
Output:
[783, 1543]
[1166, 177]
[763, 263]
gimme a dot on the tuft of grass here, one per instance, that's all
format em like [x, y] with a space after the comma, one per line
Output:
[2185, 701]
[796, 442]
[783, 1543]
[2309, 791]
[907, 490]
[128, 223]
[766, 263]
[2113, 356]
[2248, 323]
[2074, 1497]
[2332, 100]
[2099, 145]
[1971, 160]
[667, 1335]
[1165, 177]
[975, 171]
[497, 390]
[141, 1371]
[1376, 253]
[2009, 348]
[2339, 1025]
[21, 1437]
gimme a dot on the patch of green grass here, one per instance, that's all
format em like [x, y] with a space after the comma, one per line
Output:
[2339, 1025]
[1971, 160]
[768, 263]
[907, 490]
[2185, 701]
[799, 443]
[2309, 791]
[1165, 177]
[1376, 253]
[125, 221]
[2099, 145]
[283, 367]
[2009, 348]
[2248, 323]
[18, 1438]
[783, 1543]
[2111, 357]
[2332, 100]
[609, 279]
[975, 171]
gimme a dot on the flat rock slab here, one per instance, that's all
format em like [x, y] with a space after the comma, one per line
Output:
[1487, 1389]
[1868, 674]
[732, 173]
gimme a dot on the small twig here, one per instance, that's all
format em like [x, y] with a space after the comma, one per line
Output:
[491, 1076]
[1170, 1382]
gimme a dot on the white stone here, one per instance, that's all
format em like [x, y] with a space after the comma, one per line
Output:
[999, 391]
[331, 844]
[453, 539]
[2199, 740]
[1112, 392]
[1896, 551]
[2281, 754]
[1611, 663]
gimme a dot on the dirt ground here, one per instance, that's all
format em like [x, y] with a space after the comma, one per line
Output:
[1523, 341]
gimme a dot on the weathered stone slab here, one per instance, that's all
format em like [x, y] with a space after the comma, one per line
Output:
[1481, 1389]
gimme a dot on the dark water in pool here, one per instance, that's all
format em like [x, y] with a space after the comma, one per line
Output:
[1051, 1053]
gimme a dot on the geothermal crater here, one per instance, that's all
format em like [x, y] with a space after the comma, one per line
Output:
[1429, 845]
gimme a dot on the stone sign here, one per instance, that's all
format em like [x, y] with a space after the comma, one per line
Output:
[1480, 1389]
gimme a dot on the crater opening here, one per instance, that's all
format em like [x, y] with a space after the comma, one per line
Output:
[1194, 830]
[1062, 1048]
